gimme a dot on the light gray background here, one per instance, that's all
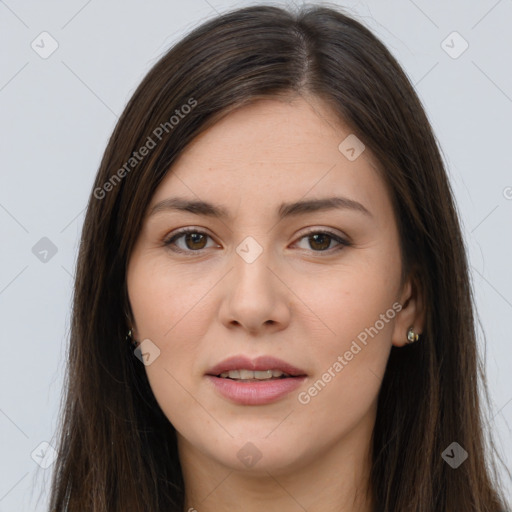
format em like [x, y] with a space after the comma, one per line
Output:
[57, 114]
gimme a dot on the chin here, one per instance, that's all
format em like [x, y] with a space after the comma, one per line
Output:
[257, 454]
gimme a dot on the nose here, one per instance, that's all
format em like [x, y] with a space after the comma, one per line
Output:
[255, 297]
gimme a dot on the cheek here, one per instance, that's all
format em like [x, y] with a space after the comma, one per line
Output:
[355, 305]
[165, 300]
[170, 306]
[350, 299]
[359, 318]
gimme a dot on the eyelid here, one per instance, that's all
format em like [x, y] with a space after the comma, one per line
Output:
[329, 231]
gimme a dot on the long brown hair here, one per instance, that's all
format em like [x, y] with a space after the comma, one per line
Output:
[116, 449]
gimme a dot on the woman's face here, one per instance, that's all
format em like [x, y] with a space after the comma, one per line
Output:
[316, 287]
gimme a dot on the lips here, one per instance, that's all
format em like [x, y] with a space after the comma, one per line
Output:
[262, 363]
[253, 391]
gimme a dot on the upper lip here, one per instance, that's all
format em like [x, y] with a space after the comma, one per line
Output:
[260, 363]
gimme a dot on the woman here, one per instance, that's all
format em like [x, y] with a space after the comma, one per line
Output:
[272, 306]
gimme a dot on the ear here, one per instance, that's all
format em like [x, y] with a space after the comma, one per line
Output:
[135, 334]
[128, 316]
[132, 326]
[412, 313]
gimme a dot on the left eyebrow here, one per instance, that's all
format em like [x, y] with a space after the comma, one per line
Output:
[199, 207]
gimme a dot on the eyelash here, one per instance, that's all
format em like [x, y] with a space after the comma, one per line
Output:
[170, 241]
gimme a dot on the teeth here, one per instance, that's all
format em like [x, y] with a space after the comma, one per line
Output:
[264, 374]
[246, 374]
[251, 375]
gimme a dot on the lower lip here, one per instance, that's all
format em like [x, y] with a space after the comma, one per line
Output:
[257, 392]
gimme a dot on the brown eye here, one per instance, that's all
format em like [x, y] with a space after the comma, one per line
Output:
[320, 241]
[193, 240]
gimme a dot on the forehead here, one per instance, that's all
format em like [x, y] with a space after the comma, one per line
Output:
[283, 131]
[273, 151]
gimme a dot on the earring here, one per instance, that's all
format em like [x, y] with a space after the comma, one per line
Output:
[129, 337]
[412, 336]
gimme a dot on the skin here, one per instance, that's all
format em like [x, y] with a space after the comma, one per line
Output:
[300, 300]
